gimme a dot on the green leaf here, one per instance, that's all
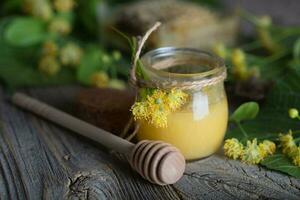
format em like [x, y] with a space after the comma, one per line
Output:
[245, 111]
[17, 74]
[90, 63]
[281, 163]
[87, 15]
[25, 31]
[296, 50]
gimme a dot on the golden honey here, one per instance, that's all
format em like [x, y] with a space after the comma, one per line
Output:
[195, 138]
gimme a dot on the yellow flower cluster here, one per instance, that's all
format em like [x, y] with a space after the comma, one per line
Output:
[52, 57]
[64, 5]
[253, 153]
[156, 107]
[49, 48]
[287, 143]
[233, 148]
[50, 12]
[240, 69]
[289, 147]
[220, 50]
[296, 157]
[267, 148]
[100, 79]
[264, 34]
[38, 8]
[60, 26]
[43, 8]
[49, 65]
[70, 55]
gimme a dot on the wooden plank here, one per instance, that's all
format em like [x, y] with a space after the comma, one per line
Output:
[41, 160]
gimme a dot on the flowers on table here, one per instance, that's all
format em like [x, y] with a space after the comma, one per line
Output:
[289, 147]
[287, 143]
[233, 148]
[252, 153]
[267, 148]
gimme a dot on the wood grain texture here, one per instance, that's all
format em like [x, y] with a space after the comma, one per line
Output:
[39, 160]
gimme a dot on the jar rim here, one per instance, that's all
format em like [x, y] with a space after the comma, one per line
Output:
[219, 65]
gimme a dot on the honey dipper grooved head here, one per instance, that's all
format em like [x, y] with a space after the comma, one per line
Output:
[157, 161]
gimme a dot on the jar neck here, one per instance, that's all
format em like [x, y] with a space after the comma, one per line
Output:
[181, 65]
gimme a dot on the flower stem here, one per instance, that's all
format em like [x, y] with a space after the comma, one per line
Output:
[242, 129]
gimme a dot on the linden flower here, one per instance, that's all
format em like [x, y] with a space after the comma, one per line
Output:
[296, 156]
[38, 8]
[220, 50]
[158, 97]
[49, 48]
[267, 40]
[60, 26]
[157, 106]
[252, 153]
[233, 148]
[159, 118]
[158, 101]
[99, 79]
[49, 65]
[287, 143]
[238, 57]
[239, 64]
[264, 34]
[151, 110]
[140, 110]
[176, 99]
[64, 5]
[267, 147]
[117, 84]
[70, 55]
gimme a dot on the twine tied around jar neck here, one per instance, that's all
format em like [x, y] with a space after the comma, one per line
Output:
[168, 84]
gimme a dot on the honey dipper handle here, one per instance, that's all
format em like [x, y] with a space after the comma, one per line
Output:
[85, 129]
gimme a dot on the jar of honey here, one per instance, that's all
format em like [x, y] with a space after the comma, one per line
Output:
[198, 127]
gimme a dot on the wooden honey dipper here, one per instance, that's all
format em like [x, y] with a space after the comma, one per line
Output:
[156, 161]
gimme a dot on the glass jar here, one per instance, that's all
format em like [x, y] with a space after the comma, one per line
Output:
[199, 126]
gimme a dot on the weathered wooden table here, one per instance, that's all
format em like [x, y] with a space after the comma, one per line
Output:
[41, 160]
